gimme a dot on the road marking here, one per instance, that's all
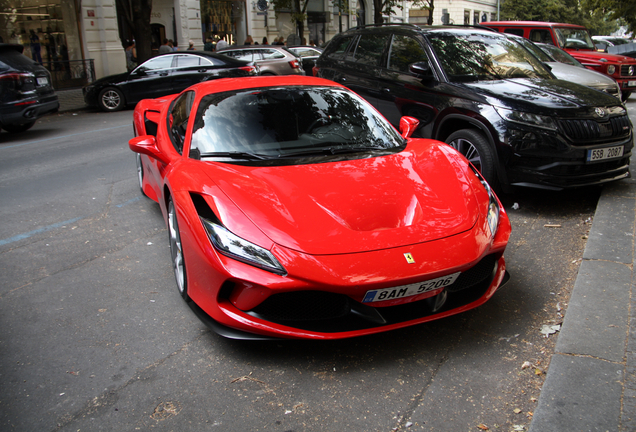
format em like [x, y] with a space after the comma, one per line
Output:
[37, 231]
[63, 136]
[54, 226]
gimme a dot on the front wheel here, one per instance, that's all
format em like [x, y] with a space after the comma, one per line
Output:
[140, 173]
[474, 146]
[176, 251]
[111, 99]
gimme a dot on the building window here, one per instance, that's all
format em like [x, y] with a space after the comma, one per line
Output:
[466, 16]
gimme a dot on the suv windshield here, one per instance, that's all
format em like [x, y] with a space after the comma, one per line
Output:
[574, 38]
[479, 56]
[291, 121]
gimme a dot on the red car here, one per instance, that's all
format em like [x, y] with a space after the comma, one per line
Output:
[296, 211]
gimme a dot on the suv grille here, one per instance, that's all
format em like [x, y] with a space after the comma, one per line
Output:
[590, 130]
[625, 70]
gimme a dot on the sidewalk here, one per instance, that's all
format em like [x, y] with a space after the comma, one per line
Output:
[71, 100]
[591, 381]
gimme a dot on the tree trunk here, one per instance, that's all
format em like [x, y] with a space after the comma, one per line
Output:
[141, 28]
[431, 6]
[377, 11]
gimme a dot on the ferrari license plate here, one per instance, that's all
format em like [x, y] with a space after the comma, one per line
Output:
[43, 81]
[409, 290]
[604, 153]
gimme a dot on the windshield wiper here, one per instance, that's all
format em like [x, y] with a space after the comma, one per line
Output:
[237, 155]
[328, 151]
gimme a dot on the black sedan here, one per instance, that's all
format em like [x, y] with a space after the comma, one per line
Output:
[163, 75]
[26, 92]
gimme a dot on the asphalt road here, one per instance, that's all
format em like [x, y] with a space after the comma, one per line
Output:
[95, 336]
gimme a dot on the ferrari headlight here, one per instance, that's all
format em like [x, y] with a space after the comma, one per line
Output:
[493, 204]
[233, 246]
[530, 119]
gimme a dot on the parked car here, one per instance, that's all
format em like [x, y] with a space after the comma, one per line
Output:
[486, 96]
[308, 54]
[271, 59]
[26, 92]
[565, 67]
[163, 75]
[576, 40]
[603, 42]
[295, 210]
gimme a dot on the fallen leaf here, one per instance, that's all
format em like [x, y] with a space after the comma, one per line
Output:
[526, 365]
[483, 426]
[517, 410]
[547, 330]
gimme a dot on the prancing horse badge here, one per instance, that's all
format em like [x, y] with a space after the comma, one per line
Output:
[409, 258]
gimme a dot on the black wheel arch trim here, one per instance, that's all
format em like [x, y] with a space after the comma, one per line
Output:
[482, 127]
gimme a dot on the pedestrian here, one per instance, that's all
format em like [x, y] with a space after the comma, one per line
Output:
[131, 56]
[191, 45]
[36, 48]
[222, 43]
[208, 45]
[248, 40]
[265, 40]
[165, 47]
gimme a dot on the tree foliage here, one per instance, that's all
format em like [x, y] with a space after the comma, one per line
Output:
[298, 10]
[592, 14]
[384, 7]
[623, 11]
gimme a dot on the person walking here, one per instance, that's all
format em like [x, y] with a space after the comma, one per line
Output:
[165, 48]
[222, 43]
[131, 56]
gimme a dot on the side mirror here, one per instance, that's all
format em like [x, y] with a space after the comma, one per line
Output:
[146, 144]
[408, 126]
[420, 69]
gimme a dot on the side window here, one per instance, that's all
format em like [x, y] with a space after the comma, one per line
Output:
[184, 60]
[541, 36]
[338, 52]
[514, 31]
[271, 54]
[178, 119]
[163, 62]
[369, 50]
[405, 50]
[247, 55]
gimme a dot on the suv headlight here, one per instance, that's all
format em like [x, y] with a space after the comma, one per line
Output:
[535, 120]
[611, 69]
[233, 246]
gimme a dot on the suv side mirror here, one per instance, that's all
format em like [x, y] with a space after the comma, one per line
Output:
[421, 69]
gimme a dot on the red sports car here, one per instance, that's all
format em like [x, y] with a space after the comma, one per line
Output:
[295, 210]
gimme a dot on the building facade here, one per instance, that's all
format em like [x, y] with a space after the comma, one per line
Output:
[458, 12]
[59, 33]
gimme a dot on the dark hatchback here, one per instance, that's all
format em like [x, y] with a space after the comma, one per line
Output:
[487, 96]
[26, 93]
[163, 75]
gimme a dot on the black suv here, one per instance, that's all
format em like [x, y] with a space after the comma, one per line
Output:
[489, 98]
[26, 92]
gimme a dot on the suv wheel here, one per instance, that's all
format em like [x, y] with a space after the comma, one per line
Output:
[474, 146]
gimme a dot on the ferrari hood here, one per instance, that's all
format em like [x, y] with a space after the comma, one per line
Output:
[418, 195]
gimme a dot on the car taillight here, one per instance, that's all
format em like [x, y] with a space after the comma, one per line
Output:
[295, 64]
[249, 69]
[315, 70]
[18, 81]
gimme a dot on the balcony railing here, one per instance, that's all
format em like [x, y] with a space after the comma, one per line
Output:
[67, 74]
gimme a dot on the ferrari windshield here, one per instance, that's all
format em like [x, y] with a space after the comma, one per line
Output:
[468, 56]
[279, 122]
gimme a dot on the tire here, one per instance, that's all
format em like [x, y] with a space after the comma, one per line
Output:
[625, 95]
[18, 128]
[111, 99]
[474, 146]
[176, 251]
[140, 173]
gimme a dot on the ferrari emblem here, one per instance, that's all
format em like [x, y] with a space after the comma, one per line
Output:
[409, 258]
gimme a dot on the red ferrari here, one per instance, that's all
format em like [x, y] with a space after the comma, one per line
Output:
[295, 210]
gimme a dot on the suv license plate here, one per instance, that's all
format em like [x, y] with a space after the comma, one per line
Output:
[631, 83]
[43, 81]
[604, 153]
[409, 290]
